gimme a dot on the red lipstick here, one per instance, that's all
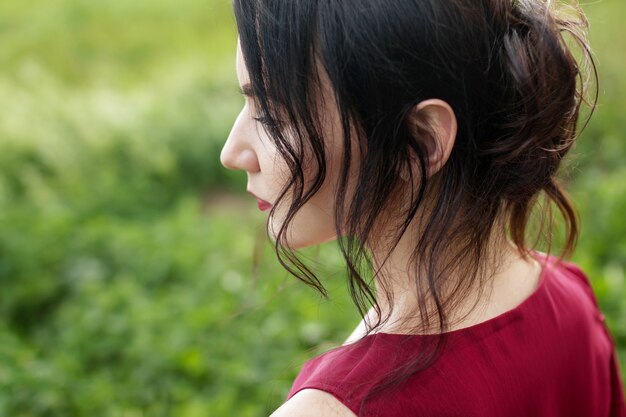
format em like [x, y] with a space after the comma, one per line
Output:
[263, 205]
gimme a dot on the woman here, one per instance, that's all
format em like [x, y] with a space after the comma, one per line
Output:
[425, 137]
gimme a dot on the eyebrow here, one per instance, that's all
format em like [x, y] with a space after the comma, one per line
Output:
[246, 90]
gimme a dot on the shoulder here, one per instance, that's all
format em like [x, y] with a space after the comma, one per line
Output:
[311, 402]
[577, 275]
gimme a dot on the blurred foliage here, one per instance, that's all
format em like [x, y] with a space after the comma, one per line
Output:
[134, 282]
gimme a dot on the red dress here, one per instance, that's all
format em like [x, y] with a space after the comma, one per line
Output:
[550, 356]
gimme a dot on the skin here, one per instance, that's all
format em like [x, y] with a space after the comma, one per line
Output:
[248, 148]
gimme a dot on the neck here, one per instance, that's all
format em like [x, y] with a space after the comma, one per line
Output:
[505, 278]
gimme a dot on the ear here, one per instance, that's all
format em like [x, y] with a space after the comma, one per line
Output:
[433, 123]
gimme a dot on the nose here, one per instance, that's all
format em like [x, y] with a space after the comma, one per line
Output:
[238, 152]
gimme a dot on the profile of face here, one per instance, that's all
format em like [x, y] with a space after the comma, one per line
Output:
[250, 149]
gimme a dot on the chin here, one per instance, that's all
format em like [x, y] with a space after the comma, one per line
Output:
[302, 234]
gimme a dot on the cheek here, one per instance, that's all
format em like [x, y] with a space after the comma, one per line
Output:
[274, 169]
[313, 223]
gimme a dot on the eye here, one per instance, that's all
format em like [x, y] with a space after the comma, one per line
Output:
[265, 120]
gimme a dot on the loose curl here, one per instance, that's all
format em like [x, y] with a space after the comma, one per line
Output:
[514, 83]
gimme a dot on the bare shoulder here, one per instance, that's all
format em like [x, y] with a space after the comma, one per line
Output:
[311, 402]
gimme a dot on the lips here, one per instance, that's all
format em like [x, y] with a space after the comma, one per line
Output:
[262, 204]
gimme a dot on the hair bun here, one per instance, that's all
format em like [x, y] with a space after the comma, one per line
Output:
[542, 107]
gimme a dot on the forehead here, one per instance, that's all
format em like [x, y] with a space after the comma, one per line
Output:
[323, 86]
[242, 73]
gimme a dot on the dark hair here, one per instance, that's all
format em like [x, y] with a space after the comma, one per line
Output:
[505, 68]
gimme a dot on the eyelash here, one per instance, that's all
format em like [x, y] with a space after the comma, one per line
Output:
[265, 120]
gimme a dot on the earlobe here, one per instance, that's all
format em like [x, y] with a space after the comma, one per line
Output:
[433, 123]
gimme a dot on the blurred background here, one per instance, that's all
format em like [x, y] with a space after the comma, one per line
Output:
[135, 278]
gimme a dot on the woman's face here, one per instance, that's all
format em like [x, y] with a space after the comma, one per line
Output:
[250, 149]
